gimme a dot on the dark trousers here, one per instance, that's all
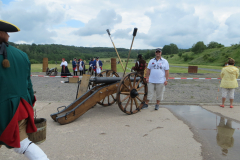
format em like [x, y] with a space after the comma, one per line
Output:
[81, 73]
[75, 73]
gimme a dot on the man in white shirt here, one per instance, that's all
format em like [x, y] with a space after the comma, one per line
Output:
[157, 78]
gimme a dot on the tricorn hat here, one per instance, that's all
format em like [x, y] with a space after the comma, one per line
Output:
[8, 27]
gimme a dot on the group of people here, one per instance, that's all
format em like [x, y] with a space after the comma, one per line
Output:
[95, 66]
[78, 65]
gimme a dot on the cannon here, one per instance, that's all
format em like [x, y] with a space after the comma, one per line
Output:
[129, 92]
[51, 71]
[107, 88]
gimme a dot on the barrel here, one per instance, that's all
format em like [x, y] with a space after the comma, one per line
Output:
[192, 69]
[45, 64]
[113, 64]
[40, 135]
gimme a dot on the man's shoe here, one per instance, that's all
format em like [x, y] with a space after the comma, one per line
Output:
[145, 106]
[156, 106]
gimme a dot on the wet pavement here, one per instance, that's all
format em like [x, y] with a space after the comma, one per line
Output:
[219, 136]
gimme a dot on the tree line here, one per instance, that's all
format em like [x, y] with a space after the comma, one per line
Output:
[55, 52]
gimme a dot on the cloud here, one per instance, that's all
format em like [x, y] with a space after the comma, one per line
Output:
[33, 20]
[179, 25]
[159, 23]
[106, 19]
[233, 25]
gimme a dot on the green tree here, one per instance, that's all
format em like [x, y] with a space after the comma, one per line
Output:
[213, 44]
[174, 48]
[198, 47]
[170, 49]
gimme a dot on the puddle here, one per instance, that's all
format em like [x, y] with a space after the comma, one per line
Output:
[219, 136]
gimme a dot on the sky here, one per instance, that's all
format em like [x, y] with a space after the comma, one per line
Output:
[159, 22]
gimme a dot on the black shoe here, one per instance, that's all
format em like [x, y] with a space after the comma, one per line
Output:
[145, 106]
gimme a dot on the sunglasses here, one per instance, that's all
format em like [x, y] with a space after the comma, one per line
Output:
[157, 51]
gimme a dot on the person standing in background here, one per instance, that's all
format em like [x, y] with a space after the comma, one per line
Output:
[74, 66]
[97, 66]
[229, 75]
[91, 66]
[140, 65]
[64, 71]
[81, 66]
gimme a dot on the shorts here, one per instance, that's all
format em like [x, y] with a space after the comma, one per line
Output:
[159, 88]
[229, 92]
[22, 129]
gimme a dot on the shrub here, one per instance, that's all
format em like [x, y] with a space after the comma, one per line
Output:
[211, 59]
[185, 57]
[33, 61]
[180, 54]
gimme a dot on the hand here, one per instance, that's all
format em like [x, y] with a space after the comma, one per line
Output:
[147, 79]
[165, 83]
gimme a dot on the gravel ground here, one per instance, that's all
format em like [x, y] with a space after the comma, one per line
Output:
[177, 91]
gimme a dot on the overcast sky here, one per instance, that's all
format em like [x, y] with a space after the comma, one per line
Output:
[159, 22]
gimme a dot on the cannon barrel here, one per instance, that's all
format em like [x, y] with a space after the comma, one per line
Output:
[109, 79]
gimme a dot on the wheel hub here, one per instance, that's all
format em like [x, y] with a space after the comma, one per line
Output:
[133, 93]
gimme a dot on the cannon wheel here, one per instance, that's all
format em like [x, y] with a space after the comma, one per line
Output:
[48, 72]
[132, 95]
[55, 71]
[107, 101]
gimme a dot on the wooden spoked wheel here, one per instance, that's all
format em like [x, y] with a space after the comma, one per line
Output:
[111, 99]
[132, 93]
[108, 73]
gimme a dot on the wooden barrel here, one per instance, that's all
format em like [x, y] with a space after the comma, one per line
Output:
[113, 64]
[40, 135]
[45, 64]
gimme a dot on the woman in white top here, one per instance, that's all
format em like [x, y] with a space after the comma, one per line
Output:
[64, 71]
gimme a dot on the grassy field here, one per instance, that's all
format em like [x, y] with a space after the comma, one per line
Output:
[107, 66]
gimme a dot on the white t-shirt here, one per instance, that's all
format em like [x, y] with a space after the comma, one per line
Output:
[157, 70]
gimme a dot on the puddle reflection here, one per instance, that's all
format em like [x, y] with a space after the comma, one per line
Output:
[225, 135]
[220, 137]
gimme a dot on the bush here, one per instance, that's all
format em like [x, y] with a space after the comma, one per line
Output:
[33, 61]
[180, 54]
[171, 55]
[211, 59]
[185, 57]
[206, 56]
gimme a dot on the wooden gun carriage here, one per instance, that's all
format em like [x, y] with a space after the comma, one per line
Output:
[129, 92]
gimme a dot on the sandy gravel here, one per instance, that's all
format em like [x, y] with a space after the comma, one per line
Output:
[108, 133]
[177, 91]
